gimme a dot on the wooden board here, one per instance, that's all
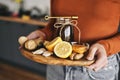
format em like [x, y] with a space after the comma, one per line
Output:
[55, 60]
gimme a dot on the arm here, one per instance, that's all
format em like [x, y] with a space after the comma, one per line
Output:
[111, 45]
[101, 50]
[45, 33]
[36, 34]
[104, 48]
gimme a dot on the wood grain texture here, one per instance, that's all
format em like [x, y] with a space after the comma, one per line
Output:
[55, 60]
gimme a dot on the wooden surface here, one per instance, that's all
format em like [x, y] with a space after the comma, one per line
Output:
[54, 60]
[19, 20]
[10, 72]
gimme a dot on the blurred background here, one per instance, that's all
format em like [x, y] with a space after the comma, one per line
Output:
[17, 18]
[18, 8]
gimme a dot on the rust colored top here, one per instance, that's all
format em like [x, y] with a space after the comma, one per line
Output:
[98, 21]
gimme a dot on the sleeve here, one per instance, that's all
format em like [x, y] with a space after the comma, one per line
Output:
[111, 45]
[49, 30]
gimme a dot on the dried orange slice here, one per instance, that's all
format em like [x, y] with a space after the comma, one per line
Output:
[79, 48]
[63, 49]
[50, 45]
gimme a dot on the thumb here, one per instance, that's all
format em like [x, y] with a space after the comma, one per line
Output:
[91, 53]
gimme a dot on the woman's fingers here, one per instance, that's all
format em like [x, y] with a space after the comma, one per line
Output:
[91, 53]
[100, 63]
[98, 51]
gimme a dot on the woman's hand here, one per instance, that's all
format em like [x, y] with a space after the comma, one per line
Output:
[97, 50]
[36, 34]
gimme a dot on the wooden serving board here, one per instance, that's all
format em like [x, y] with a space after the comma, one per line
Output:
[54, 60]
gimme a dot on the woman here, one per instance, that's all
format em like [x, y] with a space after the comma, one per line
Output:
[98, 22]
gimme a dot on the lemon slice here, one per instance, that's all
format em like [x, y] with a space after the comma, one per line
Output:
[63, 49]
[50, 45]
